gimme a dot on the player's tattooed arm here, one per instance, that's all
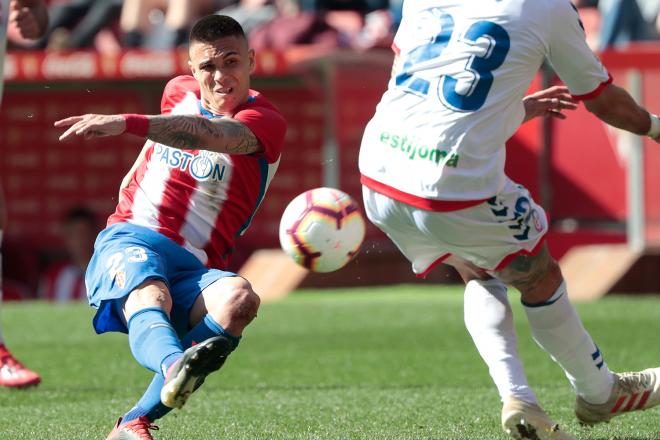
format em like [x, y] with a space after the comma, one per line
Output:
[222, 135]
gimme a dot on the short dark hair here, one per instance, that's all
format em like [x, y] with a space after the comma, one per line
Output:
[212, 27]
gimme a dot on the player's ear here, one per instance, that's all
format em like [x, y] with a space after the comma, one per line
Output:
[251, 59]
[193, 70]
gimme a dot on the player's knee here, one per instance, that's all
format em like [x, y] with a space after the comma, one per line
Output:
[243, 302]
[238, 303]
[554, 278]
[151, 293]
[540, 288]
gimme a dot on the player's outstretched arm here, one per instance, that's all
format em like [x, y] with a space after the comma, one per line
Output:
[549, 102]
[224, 135]
[616, 107]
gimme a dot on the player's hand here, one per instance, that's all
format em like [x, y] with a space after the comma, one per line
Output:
[91, 126]
[24, 18]
[549, 102]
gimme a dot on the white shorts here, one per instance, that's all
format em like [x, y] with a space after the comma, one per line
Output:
[488, 235]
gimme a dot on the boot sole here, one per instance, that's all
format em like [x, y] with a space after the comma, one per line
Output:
[196, 363]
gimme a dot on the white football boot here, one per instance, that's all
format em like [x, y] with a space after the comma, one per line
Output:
[527, 421]
[633, 391]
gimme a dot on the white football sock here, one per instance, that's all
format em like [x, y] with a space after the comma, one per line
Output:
[557, 328]
[489, 320]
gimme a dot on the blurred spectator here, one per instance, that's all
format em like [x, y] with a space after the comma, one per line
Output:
[65, 280]
[293, 26]
[363, 24]
[26, 21]
[623, 21]
[396, 12]
[613, 23]
[251, 13]
[650, 10]
[163, 24]
[377, 31]
[74, 24]
[590, 18]
[363, 6]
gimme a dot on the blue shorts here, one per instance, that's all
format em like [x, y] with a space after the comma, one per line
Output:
[127, 255]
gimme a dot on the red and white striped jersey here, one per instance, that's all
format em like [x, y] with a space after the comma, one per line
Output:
[203, 200]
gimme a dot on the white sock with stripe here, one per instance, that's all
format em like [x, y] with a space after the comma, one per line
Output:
[557, 328]
[489, 320]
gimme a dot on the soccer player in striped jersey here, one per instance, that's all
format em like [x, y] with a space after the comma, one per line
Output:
[26, 19]
[157, 270]
[432, 165]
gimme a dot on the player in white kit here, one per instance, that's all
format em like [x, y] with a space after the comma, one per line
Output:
[432, 168]
[29, 19]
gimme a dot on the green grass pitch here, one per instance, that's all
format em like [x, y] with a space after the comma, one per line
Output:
[377, 363]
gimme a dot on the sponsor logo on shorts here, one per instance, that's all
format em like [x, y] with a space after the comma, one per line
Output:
[412, 149]
[519, 217]
[116, 263]
[120, 279]
[536, 219]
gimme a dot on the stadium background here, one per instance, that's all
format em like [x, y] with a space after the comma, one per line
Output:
[577, 168]
[364, 362]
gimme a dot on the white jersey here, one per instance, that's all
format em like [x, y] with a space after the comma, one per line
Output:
[455, 96]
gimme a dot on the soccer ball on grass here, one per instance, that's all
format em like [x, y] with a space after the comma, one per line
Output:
[322, 229]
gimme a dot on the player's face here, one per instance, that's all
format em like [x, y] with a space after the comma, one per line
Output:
[222, 69]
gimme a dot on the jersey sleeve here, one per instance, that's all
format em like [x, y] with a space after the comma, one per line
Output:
[575, 63]
[175, 91]
[268, 125]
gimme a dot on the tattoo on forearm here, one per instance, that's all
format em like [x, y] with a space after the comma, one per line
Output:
[177, 132]
[194, 132]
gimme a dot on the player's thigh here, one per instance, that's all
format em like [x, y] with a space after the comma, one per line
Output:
[397, 221]
[151, 293]
[124, 260]
[489, 234]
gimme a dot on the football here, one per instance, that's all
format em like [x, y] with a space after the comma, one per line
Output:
[322, 229]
